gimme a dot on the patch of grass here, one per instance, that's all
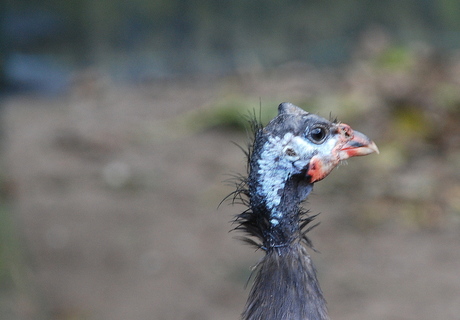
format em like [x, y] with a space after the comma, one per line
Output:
[396, 58]
[230, 113]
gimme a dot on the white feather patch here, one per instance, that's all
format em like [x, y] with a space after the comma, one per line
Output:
[275, 167]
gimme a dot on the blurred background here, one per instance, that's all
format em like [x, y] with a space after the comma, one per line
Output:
[117, 127]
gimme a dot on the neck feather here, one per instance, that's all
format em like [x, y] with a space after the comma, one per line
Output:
[286, 287]
[275, 194]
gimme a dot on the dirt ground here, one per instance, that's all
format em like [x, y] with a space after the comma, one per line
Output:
[116, 207]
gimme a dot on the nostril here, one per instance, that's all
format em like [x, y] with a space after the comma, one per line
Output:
[346, 130]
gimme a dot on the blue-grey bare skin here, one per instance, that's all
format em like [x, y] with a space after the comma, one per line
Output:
[287, 156]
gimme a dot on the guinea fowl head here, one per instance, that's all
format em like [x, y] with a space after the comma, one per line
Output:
[295, 150]
[292, 152]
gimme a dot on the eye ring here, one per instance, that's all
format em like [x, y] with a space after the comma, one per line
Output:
[318, 134]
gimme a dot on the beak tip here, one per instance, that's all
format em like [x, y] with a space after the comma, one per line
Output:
[374, 147]
[360, 145]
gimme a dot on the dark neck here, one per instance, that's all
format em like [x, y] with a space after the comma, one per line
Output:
[286, 287]
[280, 224]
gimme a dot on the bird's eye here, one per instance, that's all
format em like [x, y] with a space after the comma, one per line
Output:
[318, 134]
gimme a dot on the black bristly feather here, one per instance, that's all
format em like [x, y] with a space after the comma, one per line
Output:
[333, 118]
[240, 195]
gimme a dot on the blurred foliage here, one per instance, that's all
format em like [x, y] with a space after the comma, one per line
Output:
[448, 96]
[395, 58]
[233, 113]
[409, 123]
[178, 36]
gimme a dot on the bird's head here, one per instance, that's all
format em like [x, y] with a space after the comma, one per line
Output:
[304, 145]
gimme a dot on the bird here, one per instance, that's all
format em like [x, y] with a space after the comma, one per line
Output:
[284, 159]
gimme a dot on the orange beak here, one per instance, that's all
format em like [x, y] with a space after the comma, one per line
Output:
[359, 145]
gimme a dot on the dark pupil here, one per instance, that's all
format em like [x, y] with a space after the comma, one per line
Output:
[317, 134]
